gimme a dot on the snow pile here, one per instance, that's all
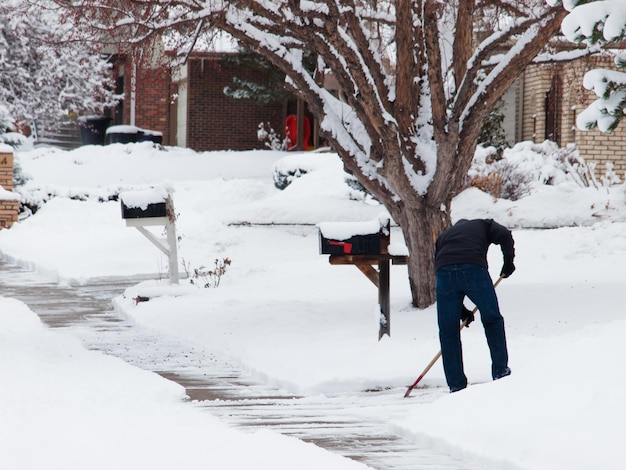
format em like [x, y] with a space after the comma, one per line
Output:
[81, 409]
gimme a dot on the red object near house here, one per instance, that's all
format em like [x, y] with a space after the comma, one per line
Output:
[291, 131]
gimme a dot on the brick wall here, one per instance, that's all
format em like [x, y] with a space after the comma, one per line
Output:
[217, 122]
[536, 85]
[8, 209]
[153, 100]
[152, 97]
[594, 146]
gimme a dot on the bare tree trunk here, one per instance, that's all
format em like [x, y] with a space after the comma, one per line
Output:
[421, 226]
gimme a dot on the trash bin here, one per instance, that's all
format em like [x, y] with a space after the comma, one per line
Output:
[122, 134]
[92, 129]
[147, 135]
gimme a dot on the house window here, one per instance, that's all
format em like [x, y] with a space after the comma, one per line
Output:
[553, 110]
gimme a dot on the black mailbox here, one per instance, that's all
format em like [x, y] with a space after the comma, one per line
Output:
[354, 238]
[157, 209]
[356, 245]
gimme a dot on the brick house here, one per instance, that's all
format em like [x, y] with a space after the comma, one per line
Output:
[190, 109]
[188, 105]
[543, 105]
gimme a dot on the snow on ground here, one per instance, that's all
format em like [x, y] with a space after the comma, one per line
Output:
[67, 408]
[284, 313]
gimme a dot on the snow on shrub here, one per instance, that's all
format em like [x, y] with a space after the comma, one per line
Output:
[295, 165]
[14, 139]
[272, 139]
[512, 176]
[528, 164]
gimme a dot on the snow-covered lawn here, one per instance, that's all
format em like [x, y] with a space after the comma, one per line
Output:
[284, 313]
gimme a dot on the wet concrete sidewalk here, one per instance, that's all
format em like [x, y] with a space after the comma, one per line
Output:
[347, 424]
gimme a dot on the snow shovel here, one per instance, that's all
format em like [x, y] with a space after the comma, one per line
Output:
[438, 355]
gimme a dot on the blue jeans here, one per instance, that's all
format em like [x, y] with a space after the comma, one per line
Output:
[454, 282]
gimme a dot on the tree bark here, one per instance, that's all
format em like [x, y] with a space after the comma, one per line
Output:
[421, 226]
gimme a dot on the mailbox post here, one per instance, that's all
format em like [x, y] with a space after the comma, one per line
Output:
[366, 249]
[149, 208]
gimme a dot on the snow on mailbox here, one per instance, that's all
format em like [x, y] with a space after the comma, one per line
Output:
[144, 203]
[353, 238]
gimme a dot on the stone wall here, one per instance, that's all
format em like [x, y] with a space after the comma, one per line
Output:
[8, 208]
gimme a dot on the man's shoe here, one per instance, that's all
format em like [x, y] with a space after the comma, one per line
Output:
[501, 374]
[457, 389]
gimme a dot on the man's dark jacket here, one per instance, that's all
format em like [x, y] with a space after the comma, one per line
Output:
[467, 242]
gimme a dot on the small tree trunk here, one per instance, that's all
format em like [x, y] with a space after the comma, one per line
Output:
[421, 226]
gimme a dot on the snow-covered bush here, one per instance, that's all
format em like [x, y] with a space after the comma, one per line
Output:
[512, 176]
[527, 164]
[7, 127]
[5, 119]
[19, 178]
[295, 165]
[501, 178]
[492, 133]
[272, 139]
[358, 193]
[14, 139]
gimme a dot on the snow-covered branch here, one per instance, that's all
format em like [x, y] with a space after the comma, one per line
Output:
[600, 23]
[43, 76]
